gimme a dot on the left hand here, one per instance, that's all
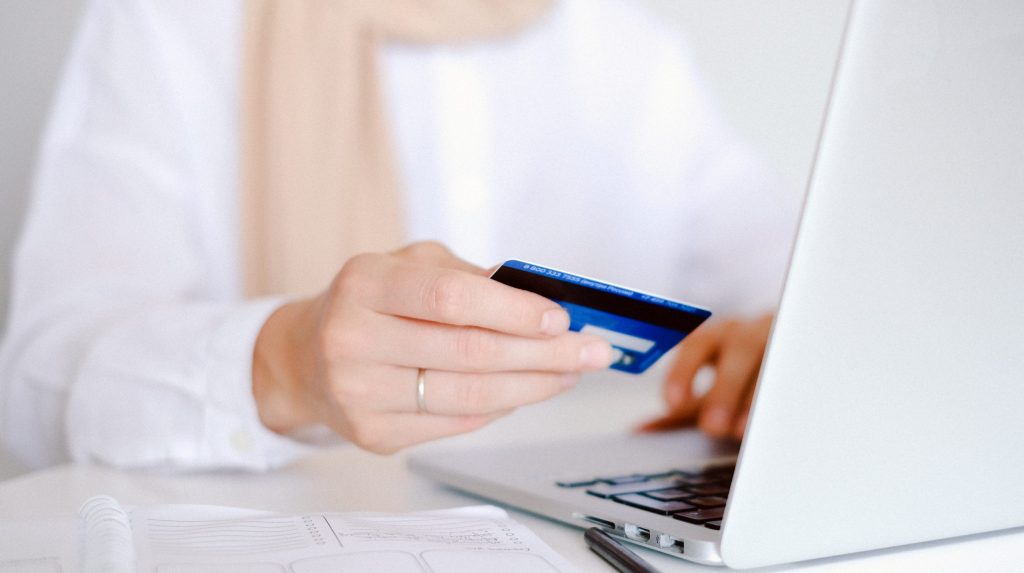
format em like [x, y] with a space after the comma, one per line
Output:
[734, 349]
[349, 357]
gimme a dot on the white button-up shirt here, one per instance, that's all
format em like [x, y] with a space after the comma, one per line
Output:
[584, 143]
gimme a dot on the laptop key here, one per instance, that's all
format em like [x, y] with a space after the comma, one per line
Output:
[653, 505]
[576, 482]
[701, 479]
[710, 489]
[717, 524]
[686, 473]
[669, 494]
[607, 490]
[664, 474]
[701, 516]
[624, 479]
[707, 501]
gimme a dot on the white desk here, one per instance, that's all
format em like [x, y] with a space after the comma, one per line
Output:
[348, 479]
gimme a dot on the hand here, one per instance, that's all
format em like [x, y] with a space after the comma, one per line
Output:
[349, 358]
[734, 349]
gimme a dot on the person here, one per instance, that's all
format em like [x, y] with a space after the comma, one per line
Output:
[211, 272]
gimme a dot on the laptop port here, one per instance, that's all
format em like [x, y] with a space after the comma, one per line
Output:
[637, 533]
[666, 541]
[610, 525]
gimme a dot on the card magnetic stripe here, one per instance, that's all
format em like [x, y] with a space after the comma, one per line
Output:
[685, 321]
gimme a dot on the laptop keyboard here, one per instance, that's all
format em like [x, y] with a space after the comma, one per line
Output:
[696, 497]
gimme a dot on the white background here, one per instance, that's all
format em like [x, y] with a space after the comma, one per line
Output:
[768, 63]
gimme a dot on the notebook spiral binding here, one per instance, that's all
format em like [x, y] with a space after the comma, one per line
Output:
[106, 537]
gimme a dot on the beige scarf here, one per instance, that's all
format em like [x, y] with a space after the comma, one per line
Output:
[317, 173]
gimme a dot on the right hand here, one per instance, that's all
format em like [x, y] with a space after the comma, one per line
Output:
[734, 349]
[349, 358]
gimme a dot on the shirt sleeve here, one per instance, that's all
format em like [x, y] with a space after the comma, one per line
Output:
[119, 349]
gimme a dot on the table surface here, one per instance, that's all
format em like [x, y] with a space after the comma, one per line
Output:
[348, 479]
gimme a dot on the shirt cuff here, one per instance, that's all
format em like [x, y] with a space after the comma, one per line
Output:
[235, 435]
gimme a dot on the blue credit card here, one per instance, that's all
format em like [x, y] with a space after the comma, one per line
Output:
[640, 327]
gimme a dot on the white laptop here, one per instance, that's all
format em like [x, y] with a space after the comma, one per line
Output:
[890, 408]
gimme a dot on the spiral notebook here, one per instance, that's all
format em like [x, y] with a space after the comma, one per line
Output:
[203, 539]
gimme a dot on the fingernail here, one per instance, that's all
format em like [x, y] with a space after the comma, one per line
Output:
[569, 380]
[596, 355]
[716, 420]
[554, 321]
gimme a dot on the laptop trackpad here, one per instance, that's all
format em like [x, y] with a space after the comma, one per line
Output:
[607, 455]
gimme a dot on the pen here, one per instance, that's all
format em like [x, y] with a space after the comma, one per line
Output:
[615, 553]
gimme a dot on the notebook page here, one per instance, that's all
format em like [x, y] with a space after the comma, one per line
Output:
[98, 539]
[203, 539]
[38, 545]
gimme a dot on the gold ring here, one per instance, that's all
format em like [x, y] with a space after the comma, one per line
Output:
[421, 391]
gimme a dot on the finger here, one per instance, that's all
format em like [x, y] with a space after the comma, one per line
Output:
[418, 344]
[463, 394]
[736, 370]
[670, 421]
[389, 433]
[435, 253]
[449, 296]
[697, 350]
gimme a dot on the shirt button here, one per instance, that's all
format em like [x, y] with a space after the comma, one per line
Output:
[241, 440]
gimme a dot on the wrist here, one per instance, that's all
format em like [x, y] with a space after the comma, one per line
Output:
[280, 367]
